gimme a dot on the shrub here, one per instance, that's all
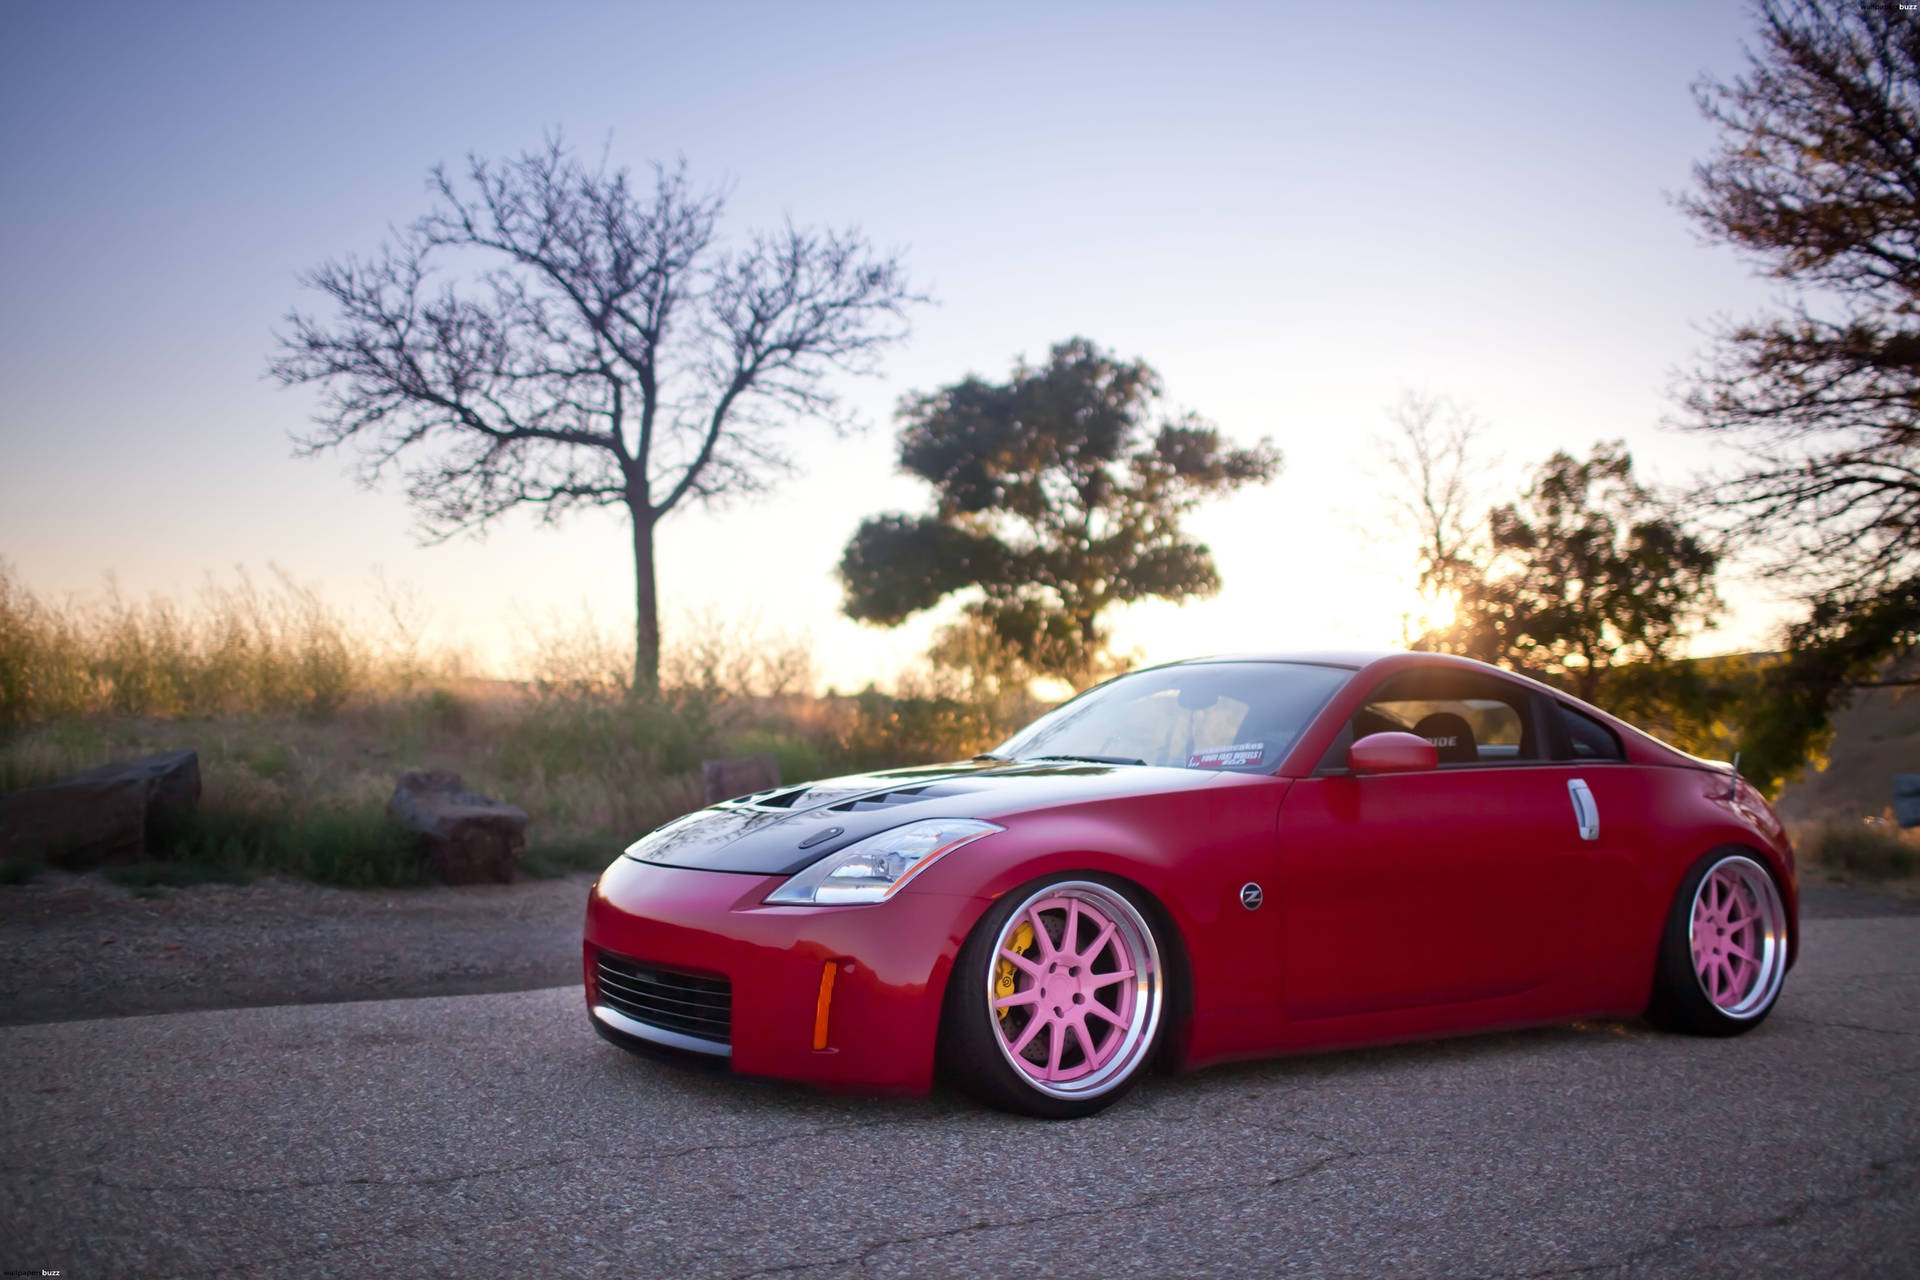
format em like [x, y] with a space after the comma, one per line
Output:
[1872, 850]
[799, 761]
[875, 730]
[13, 873]
[448, 712]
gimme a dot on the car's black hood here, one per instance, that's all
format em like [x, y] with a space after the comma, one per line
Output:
[765, 833]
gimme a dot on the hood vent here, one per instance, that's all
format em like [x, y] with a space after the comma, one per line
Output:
[901, 795]
[779, 798]
[811, 796]
[865, 804]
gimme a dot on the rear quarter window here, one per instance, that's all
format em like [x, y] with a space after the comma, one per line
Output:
[1585, 737]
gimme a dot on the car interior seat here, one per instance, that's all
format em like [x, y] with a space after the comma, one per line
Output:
[1451, 736]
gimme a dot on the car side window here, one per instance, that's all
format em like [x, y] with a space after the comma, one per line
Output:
[1585, 737]
[1470, 719]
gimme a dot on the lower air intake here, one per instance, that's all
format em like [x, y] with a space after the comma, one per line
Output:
[688, 1003]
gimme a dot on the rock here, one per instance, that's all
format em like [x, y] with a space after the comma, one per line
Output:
[725, 779]
[465, 837]
[75, 822]
[115, 813]
[174, 791]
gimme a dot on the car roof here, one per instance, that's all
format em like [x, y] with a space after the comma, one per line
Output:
[1379, 663]
[1352, 659]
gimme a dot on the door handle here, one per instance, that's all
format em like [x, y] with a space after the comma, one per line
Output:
[1585, 811]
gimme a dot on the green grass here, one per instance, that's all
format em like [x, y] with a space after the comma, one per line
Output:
[171, 875]
[550, 859]
[346, 849]
[272, 762]
[357, 848]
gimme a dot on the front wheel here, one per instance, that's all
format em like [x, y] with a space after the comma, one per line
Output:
[1055, 1005]
[1724, 953]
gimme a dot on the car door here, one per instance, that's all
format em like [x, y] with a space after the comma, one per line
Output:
[1437, 887]
[1616, 931]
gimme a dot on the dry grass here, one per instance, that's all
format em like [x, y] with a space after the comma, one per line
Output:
[1868, 851]
[241, 648]
[304, 718]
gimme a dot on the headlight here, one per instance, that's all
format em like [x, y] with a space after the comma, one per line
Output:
[871, 869]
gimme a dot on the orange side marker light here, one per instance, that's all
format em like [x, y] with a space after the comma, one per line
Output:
[823, 1003]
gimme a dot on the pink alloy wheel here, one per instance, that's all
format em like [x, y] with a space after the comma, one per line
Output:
[1087, 994]
[1738, 936]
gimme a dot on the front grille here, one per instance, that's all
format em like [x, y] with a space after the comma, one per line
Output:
[688, 1003]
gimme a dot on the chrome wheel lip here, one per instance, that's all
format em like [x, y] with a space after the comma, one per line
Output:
[1771, 927]
[1148, 996]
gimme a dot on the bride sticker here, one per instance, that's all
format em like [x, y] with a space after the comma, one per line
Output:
[1227, 757]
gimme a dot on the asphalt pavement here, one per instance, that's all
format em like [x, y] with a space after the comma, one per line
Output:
[493, 1134]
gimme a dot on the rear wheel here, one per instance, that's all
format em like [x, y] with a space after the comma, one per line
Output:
[1056, 1002]
[1724, 953]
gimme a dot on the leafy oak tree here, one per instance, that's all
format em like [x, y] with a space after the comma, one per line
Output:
[1817, 178]
[561, 337]
[1058, 494]
[1587, 572]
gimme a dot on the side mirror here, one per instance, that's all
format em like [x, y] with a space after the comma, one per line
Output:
[1392, 753]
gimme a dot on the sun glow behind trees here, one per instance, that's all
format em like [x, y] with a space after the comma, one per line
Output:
[1487, 220]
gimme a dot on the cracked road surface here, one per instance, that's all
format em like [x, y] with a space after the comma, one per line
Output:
[496, 1135]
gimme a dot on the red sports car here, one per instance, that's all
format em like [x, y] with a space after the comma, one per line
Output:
[1216, 859]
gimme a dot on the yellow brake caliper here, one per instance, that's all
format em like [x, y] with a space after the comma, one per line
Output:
[1006, 978]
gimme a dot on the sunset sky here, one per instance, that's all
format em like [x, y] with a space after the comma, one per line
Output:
[1296, 213]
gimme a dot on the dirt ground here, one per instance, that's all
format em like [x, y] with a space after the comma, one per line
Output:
[79, 946]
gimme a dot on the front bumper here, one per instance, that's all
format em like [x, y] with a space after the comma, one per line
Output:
[891, 962]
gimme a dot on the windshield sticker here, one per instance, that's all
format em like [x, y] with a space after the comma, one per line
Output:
[1227, 757]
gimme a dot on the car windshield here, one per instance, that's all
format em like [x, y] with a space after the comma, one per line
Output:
[1196, 715]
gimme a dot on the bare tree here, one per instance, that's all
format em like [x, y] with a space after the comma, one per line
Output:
[1817, 179]
[550, 336]
[1435, 458]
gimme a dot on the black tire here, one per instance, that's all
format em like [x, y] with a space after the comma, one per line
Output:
[977, 1041]
[1682, 999]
